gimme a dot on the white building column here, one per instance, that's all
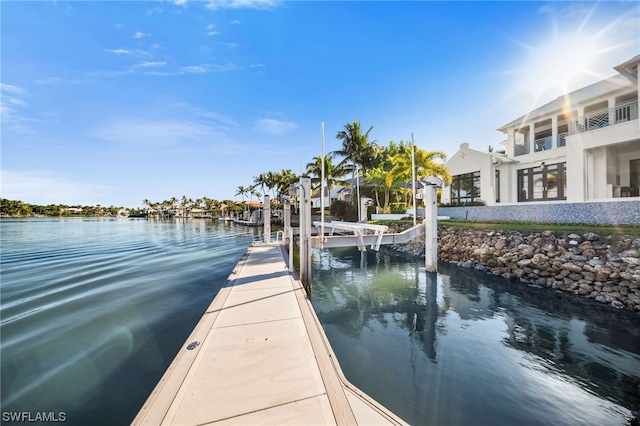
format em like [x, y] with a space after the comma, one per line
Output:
[532, 136]
[554, 131]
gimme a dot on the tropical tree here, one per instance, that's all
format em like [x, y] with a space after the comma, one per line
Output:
[283, 180]
[242, 192]
[333, 174]
[425, 165]
[356, 147]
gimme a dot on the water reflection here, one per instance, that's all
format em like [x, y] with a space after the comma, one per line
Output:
[459, 347]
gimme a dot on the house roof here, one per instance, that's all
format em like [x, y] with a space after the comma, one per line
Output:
[627, 78]
[629, 69]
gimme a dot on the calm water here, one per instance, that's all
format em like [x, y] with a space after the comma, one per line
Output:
[94, 310]
[460, 348]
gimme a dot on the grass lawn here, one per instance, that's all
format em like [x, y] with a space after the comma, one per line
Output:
[528, 227]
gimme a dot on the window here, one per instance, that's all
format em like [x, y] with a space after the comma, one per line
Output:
[465, 188]
[497, 186]
[543, 183]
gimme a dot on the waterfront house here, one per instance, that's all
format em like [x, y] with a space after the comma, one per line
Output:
[581, 147]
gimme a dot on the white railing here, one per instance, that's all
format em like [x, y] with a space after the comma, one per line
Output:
[605, 118]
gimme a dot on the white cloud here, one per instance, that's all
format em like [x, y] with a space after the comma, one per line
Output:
[147, 64]
[194, 69]
[135, 52]
[199, 69]
[162, 133]
[56, 80]
[180, 2]
[119, 51]
[210, 116]
[545, 9]
[235, 22]
[16, 101]
[273, 126]
[44, 187]
[211, 31]
[10, 117]
[242, 4]
[139, 34]
[7, 88]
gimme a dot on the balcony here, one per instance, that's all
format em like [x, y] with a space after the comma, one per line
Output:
[605, 118]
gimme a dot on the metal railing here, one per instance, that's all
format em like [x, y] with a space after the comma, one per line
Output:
[521, 149]
[592, 121]
[562, 139]
[542, 144]
[605, 118]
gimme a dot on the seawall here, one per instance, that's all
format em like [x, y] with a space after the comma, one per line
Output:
[622, 211]
[603, 267]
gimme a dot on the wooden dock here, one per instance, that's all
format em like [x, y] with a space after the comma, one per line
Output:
[261, 357]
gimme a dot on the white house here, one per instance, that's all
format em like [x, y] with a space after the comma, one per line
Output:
[583, 146]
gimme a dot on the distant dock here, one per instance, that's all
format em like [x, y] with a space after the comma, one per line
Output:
[259, 356]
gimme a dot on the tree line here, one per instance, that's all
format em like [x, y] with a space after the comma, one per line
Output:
[16, 208]
[384, 172]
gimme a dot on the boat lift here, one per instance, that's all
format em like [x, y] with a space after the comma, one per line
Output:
[349, 234]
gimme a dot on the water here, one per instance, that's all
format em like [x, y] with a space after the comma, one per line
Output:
[462, 348]
[93, 310]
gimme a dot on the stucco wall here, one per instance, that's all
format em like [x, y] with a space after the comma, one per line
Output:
[609, 212]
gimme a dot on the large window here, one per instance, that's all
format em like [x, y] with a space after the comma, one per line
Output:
[545, 182]
[465, 188]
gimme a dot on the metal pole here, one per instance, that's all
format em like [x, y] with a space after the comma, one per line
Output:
[358, 189]
[305, 232]
[413, 180]
[288, 231]
[322, 193]
[431, 227]
[266, 212]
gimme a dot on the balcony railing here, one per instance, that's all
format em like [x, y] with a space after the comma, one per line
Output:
[592, 121]
[542, 144]
[562, 139]
[521, 149]
[605, 118]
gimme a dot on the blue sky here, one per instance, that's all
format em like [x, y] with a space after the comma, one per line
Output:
[114, 102]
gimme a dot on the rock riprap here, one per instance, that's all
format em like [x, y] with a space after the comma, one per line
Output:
[603, 267]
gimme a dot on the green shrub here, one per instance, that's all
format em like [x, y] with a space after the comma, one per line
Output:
[398, 208]
[344, 210]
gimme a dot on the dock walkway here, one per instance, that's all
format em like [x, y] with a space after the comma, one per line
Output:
[261, 358]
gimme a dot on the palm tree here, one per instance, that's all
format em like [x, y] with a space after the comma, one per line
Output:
[356, 147]
[332, 173]
[283, 180]
[425, 162]
[242, 191]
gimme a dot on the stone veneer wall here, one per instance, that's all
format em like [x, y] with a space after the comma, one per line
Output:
[600, 213]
